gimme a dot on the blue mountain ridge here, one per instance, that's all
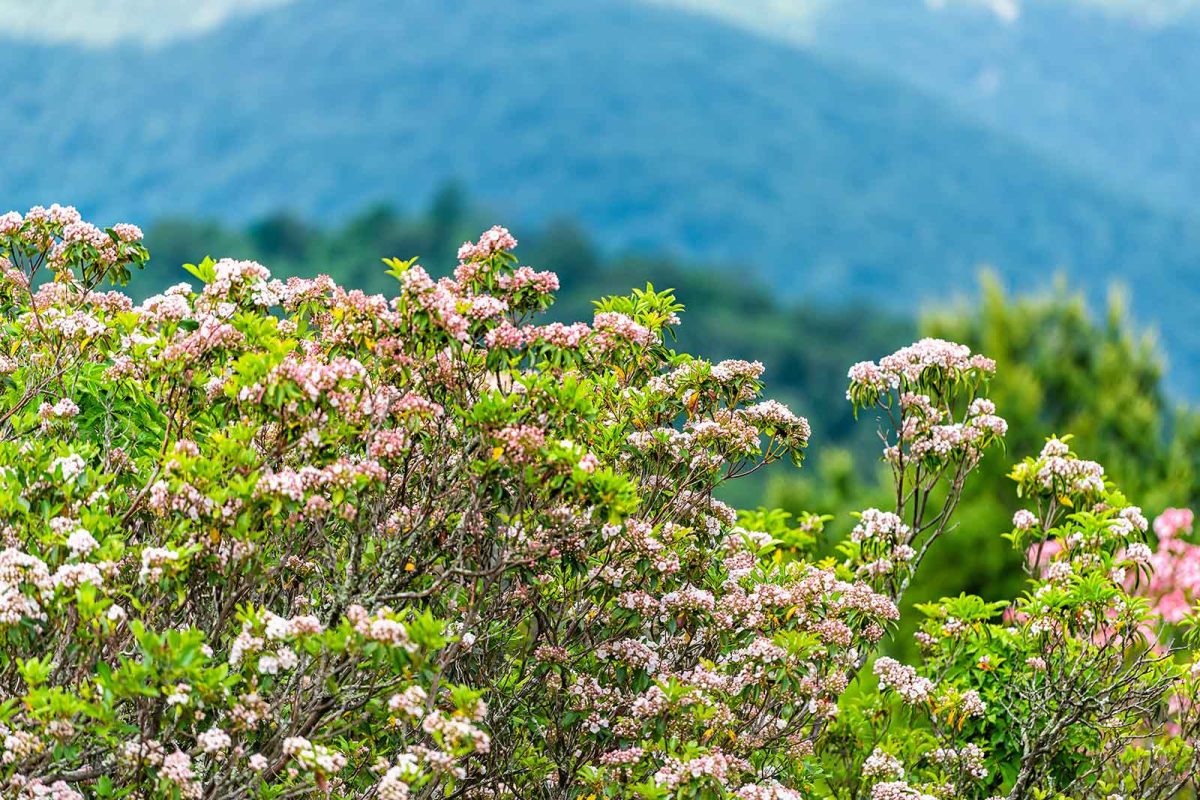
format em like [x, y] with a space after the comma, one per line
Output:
[657, 129]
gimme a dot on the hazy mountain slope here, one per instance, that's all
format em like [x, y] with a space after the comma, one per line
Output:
[1113, 94]
[655, 128]
[1106, 86]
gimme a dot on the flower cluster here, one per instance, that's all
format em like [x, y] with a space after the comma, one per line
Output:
[1173, 587]
[911, 366]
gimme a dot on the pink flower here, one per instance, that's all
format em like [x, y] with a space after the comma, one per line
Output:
[1042, 553]
[1024, 520]
[1173, 520]
[492, 241]
[127, 233]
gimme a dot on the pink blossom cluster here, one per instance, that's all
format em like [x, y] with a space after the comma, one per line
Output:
[899, 790]
[881, 764]
[492, 241]
[310, 756]
[528, 278]
[903, 680]
[235, 276]
[928, 432]
[302, 484]
[613, 328]
[775, 416]
[66, 239]
[519, 444]
[771, 790]
[884, 544]
[1174, 584]
[717, 766]
[64, 409]
[37, 789]
[908, 365]
[1058, 470]
[874, 524]
[683, 381]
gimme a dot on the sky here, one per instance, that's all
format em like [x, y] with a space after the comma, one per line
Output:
[154, 22]
[108, 22]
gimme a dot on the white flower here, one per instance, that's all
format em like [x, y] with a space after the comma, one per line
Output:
[72, 466]
[81, 543]
[287, 659]
[180, 696]
[214, 740]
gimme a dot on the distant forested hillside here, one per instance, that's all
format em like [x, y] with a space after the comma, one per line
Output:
[1105, 86]
[661, 131]
[1112, 94]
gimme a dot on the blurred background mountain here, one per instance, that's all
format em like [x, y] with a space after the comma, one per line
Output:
[820, 180]
[877, 149]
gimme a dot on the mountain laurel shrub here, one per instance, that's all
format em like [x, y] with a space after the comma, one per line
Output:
[268, 539]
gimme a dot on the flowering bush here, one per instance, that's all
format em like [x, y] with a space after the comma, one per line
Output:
[1076, 692]
[280, 539]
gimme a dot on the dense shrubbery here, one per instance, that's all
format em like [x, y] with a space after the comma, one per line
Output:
[278, 539]
[730, 314]
[1050, 350]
